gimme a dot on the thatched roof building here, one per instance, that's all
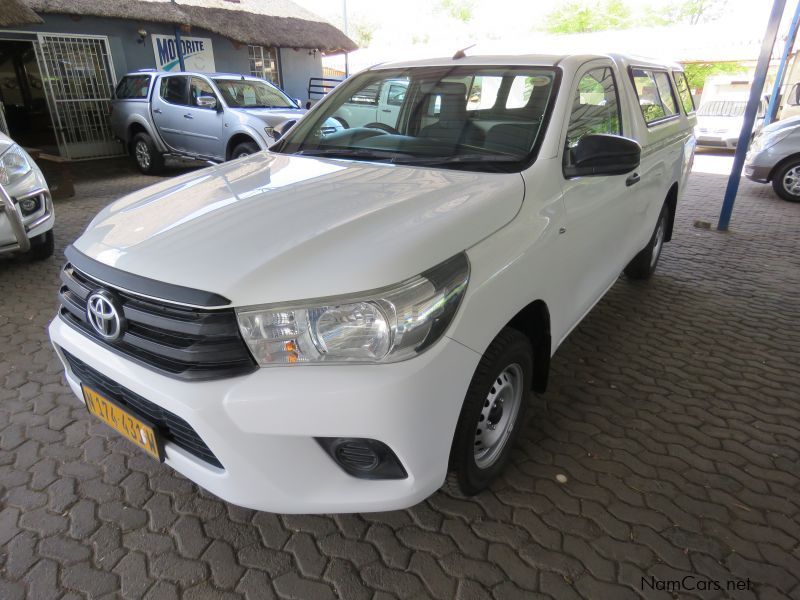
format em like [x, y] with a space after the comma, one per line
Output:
[262, 22]
[15, 12]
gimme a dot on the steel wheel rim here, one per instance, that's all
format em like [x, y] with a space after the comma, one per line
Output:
[143, 155]
[659, 242]
[791, 181]
[498, 416]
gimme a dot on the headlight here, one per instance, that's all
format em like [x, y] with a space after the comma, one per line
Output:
[14, 165]
[387, 325]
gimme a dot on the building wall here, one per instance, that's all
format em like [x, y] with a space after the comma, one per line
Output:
[297, 67]
[128, 54]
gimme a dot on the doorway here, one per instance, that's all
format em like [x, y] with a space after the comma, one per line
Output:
[22, 95]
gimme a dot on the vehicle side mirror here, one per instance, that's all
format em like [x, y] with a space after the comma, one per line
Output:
[794, 95]
[298, 102]
[279, 130]
[603, 154]
[206, 102]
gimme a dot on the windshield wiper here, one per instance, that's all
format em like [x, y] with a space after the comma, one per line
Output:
[457, 159]
[354, 153]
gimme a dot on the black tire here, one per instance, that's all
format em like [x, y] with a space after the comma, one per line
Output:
[644, 264]
[244, 149]
[510, 355]
[44, 247]
[786, 180]
[148, 159]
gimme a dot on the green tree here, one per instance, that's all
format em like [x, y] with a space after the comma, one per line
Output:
[580, 16]
[685, 11]
[362, 33]
[697, 73]
[460, 10]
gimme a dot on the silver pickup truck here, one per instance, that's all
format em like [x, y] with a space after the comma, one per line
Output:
[206, 116]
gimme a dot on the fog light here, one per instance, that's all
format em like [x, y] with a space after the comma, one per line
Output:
[364, 458]
[29, 205]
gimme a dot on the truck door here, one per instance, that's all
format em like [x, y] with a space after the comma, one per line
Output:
[598, 212]
[169, 105]
[202, 126]
[393, 93]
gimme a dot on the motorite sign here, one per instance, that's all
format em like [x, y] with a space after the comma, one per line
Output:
[198, 53]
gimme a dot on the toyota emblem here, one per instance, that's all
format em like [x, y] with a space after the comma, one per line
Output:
[104, 315]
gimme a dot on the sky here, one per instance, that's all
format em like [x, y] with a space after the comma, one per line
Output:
[407, 29]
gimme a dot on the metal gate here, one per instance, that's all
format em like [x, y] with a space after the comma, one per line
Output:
[78, 76]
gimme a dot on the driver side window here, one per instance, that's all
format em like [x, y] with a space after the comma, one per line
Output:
[595, 107]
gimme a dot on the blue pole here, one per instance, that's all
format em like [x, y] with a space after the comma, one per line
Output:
[179, 47]
[759, 79]
[787, 48]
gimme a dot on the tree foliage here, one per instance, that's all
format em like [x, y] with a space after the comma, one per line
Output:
[697, 73]
[581, 16]
[461, 10]
[685, 11]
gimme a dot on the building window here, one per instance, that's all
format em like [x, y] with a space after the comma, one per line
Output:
[264, 63]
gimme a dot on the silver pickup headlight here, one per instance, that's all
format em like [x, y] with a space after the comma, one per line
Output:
[386, 325]
[14, 165]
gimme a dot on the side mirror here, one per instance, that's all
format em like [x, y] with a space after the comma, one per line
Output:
[279, 130]
[603, 154]
[206, 102]
[794, 95]
[298, 102]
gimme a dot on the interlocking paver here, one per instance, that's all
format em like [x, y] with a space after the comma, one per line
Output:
[673, 411]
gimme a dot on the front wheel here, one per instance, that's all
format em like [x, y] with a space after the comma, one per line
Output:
[244, 149]
[493, 411]
[786, 181]
[644, 264]
[44, 247]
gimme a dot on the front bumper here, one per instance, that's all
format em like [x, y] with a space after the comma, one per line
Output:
[712, 141]
[16, 230]
[262, 426]
[757, 173]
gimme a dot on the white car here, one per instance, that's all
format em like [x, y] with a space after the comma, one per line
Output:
[335, 324]
[26, 207]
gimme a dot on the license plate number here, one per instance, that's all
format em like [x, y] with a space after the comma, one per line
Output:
[132, 428]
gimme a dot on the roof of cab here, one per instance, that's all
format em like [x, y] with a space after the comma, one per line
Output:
[524, 60]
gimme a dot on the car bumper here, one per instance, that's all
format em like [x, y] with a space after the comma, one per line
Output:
[757, 173]
[710, 141]
[17, 231]
[262, 426]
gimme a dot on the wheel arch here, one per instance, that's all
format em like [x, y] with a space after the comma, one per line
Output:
[534, 322]
[782, 163]
[236, 139]
[134, 129]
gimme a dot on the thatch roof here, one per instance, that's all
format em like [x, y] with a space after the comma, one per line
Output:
[15, 12]
[261, 22]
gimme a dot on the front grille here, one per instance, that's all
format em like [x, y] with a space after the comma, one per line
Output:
[170, 426]
[178, 341]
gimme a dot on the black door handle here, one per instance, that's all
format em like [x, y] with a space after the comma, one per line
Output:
[633, 179]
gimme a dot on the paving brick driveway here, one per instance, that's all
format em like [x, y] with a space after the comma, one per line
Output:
[673, 412]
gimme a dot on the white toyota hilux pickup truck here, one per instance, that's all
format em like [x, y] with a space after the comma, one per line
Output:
[335, 324]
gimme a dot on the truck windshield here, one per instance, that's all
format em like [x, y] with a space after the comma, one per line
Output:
[246, 93]
[465, 117]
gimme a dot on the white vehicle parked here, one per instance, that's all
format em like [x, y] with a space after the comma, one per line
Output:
[378, 104]
[333, 325]
[26, 207]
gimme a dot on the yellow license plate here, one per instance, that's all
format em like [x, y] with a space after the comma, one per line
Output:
[121, 421]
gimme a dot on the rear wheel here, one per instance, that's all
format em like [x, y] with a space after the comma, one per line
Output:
[786, 181]
[644, 264]
[493, 411]
[148, 159]
[244, 149]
